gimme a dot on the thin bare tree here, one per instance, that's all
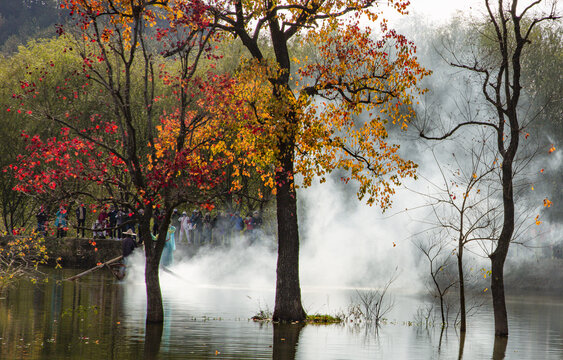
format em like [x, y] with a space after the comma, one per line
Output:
[500, 74]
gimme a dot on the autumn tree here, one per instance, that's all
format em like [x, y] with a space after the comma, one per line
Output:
[20, 256]
[157, 136]
[16, 71]
[500, 75]
[314, 104]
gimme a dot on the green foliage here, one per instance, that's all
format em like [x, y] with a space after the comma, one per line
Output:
[323, 319]
[49, 64]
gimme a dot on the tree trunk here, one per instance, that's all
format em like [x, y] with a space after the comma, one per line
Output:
[497, 289]
[462, 313]
[498, 257]
[442, 310]
[499, 347]
[153, 250]
[155, 311]
[440, 340]
[288, 306]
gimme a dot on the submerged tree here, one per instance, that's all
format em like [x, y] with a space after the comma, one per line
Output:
[314, 104]
[156, 138]
[500, 74]
[437, 255]
[465, 207]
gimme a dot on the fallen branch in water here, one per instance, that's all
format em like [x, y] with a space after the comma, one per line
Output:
[99, 266]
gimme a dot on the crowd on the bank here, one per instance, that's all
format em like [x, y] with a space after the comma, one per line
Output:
[196, 228]
[204, 228]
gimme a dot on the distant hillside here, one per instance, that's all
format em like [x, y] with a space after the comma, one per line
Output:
[21, 20]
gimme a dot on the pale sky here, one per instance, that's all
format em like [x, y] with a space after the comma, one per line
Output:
[438, 11]
[441, 10]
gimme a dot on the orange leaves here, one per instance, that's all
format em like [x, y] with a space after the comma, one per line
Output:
[122, 17]
[208, 207]
[213, 120]
[546, 203]
[106, 34]
[371, 162]
[357, 75]
[191, 145]
[360, 149]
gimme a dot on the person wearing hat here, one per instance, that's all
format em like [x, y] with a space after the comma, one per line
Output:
[128, 243]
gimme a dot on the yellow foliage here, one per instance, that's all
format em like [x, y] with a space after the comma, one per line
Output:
[20, 257]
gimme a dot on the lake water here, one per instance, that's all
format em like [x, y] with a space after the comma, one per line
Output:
[98, 317]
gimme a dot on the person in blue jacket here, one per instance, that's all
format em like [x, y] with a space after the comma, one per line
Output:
[61, 222]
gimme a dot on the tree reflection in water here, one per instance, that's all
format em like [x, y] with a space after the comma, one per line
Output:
[499, 348]
[153, 338]
[285, 341]
[99, 318]
[461, 345]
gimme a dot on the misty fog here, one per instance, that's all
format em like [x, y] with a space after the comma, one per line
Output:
[347, 244]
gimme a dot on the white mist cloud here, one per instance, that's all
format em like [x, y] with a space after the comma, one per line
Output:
[240, 266]
[345, 243]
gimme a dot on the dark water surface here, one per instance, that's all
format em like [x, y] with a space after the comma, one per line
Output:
[101, 318]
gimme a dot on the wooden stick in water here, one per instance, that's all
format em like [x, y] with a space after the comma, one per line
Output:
[72, 278]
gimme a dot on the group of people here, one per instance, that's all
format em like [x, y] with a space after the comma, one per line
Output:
[196, 228]
[109, 222]
[61, 223]
[202, 229]
[112, 223]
